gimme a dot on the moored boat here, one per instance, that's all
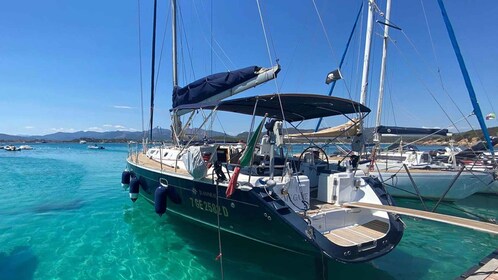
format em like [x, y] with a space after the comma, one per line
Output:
[11, 148]
[257, 192]
[300, 209]
[25, 147]
[96, 147]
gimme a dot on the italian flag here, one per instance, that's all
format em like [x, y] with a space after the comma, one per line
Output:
[245, 159]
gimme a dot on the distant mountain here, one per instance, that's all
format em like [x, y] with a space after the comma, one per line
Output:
[157, 134]
[8, 138]
[200, 133]
[161, 134]
[70, 136]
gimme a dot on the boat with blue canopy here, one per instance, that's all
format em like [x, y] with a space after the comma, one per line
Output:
[258, 189]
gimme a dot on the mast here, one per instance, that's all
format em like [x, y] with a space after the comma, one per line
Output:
[366, 58]
[176, 124]
[152, 72]
[466, 77]
[383, 70]
[173, 34]
[358, 143]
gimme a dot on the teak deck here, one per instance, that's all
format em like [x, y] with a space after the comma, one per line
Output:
[143, 160]
[358, 234]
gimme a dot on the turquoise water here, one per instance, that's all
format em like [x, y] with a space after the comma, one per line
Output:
[64, 215]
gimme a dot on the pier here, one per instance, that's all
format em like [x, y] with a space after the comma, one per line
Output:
[487, 269]
[462, 222]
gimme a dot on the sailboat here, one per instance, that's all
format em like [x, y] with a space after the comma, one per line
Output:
[409, 172]
[301, 204]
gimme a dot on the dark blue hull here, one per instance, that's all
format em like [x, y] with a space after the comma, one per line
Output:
[253, 215]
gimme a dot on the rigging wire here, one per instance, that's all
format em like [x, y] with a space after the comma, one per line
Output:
[140, 66]
[264, 32]
[290, 63]
[162, 48]
[225, 54]
[438, 74]
[184, 71]
[417, 75]
[210, 41]
[323, 28]
[444, 89]
[432, 43]
[389, 87]
[482, 86]
[438, 68]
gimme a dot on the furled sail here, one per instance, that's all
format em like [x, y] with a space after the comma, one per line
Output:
[218, 86]
[476, 150]
[398, 130]
[351, 128]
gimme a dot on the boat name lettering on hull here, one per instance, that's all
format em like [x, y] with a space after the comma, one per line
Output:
[208, 206]
[208, 194]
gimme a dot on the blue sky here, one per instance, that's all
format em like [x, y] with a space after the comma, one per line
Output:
[75, 65]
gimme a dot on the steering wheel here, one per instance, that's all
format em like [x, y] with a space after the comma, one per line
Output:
[320, 149]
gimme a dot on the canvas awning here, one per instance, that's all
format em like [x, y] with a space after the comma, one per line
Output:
[351, 128]
[295, 106]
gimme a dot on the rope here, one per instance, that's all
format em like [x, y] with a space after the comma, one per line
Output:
[220, 255]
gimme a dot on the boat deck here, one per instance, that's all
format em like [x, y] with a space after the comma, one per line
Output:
[316, 206]
[143, 160]
[358, 234]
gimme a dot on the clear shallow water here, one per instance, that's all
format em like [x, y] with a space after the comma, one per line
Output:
[64, 215]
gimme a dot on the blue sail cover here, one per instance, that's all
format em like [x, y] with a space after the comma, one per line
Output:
[212, 85]
[410, 130]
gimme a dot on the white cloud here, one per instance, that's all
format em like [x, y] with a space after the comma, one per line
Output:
[121, 107]
[61, 129]
[29, 127]
[94, 128]
[107, 125]
[119, 126]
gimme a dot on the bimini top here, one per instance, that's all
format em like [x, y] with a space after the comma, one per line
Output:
[296, 106]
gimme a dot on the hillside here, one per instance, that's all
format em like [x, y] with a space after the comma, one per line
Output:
[467, 138]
